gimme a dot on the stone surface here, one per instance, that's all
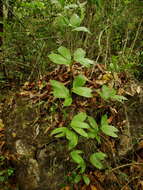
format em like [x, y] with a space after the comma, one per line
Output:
[40, 165]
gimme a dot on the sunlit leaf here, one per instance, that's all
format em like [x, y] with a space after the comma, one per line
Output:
[81, 132]
[83, 91]
[92, 122]
[86, 179]
[79, 81]
[85, 62]
[109, 130]
[104, 120]
[76, 156]
[59, 132]
[79, 124]
[60, 91]
[58, 59]
[72, 137]
[68, 101]
[75, 20]
[79, 53]
[107, 92]
[65, 52]
[80, 117]
[79, 56]
[96, 159]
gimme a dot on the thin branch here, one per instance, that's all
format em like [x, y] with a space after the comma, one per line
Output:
[123, 166]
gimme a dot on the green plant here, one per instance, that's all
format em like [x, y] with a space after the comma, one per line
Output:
[60, 91]
[84, 126]
[72, 20]
[64, 57]
[108, 93]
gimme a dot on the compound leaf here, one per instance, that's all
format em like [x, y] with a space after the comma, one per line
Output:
[59, 59]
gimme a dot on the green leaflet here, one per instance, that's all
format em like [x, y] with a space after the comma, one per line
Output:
[75, 155]
[86, 179]
[119, 98]
[79, 53]
[79, 124]
[96, 159]
[107, 92]
[68, 101]
[110, 93]
[64, 58]
[93, 123]
[65, 52]
[72, 137]
[81, 132]
[58, 59]
[78, 88]
[65, 132]
[79, 81]
[79, 56]
[108, 129]
[94, 131]
[59, 132]
[80, 117]
[75, 20]
[60, 91]
[83, 91]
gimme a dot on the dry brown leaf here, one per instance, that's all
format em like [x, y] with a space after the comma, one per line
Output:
[138, 89]
[140, 185]
[121, 91]
[67, 188]
[126, 188]
[2, 144]
[2, 135]
[101, 82]
[110, 119]
[140, 150]
[100, 176]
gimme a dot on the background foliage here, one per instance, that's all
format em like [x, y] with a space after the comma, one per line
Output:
[110, 32]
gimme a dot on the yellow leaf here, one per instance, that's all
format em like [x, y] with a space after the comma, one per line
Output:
[93, 187]
[107, 77]
[1, 124]
[13, 135]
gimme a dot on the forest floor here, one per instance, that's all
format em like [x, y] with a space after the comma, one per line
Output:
[33, 160]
